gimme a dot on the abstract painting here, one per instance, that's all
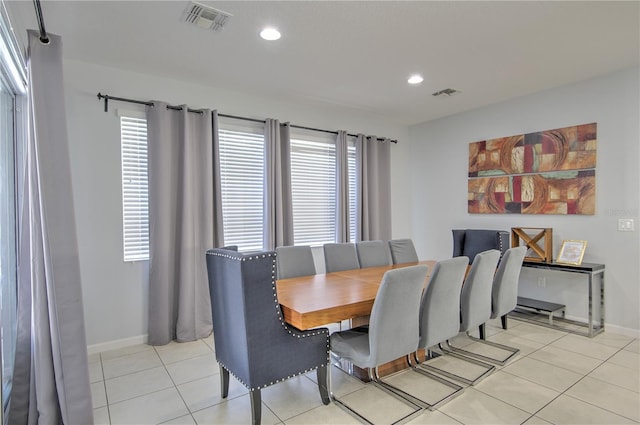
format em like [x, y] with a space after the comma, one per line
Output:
[548, 172]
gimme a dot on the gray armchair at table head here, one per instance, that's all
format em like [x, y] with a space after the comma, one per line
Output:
[253, 343]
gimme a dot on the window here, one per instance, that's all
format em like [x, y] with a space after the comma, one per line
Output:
[12, 146]
[135, 188]
[242, 186]
[313, 190]
[353, 206]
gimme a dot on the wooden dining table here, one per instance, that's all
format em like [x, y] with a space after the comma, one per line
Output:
[312, 301]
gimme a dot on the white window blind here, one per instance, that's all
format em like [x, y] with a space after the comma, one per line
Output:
[242, 185]
[353, 207]
[313, 190]
[135, 185]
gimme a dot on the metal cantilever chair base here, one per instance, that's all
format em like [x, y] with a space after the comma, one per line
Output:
[457, 389]
[489, 368]
[395, 392]
[499, 362]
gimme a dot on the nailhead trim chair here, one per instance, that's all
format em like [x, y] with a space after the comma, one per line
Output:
[253, 343]
[470, 242]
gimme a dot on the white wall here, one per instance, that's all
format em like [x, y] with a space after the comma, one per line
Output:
[115, 292]
[438, 160]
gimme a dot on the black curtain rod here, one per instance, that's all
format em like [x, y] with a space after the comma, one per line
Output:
[107, 98]
[44, 38]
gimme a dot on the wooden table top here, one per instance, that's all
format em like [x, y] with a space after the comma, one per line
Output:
[312, 301]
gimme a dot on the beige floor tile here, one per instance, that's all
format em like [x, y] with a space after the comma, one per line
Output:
[153, 408]
[101, 416]
[489, 330]
[571, 411]
[461, 340]
[137, 384]
[95, 371]
[607, 396]
[341, 382]
[585, 346]
[205, 392]
[536, 333]
[457, 366]
[517, 392]
[376, 405]
[123, 365]
[535, 420]
[209, 341]
[633, 346]
[612, 340]
[125, 351]
[510, 339]
[182, 420]
[627, 359]
[93, 358]
[475, 407]
[292, 397]
[488, 351]
[420, 386]
[98, 395]
[433, 418]
[324, 415]
[177, 351]
[566, 359]
[192, 369]
[544, 374]
[618, 375]
[232, 412]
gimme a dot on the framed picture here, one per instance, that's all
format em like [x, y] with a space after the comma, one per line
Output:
[571, 252]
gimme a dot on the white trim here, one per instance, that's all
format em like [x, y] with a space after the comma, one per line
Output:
[117, 344]
[615, 329]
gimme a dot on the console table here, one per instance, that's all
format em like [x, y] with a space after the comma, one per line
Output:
[589, 269]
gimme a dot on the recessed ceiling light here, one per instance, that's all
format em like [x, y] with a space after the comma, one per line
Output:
[415, 79]
[270, 34]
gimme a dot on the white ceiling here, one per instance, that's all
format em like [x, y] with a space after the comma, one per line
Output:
[357, 54]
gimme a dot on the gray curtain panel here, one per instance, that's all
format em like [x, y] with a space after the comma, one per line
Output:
[183, 223]
[51, 376]
[278, 215]
[373, 160]
[342, 188]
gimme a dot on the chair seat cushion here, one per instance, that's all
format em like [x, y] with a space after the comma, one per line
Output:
[352, 345]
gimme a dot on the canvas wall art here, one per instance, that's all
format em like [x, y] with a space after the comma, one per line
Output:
[548, 172]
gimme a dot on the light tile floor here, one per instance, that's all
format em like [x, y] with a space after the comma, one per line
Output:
[557, 378]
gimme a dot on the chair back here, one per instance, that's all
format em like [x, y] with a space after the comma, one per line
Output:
[340, 256]
[403, 251]
[475, 298]
[440, 306]
[470, 242]
[393, 324]
[504, 294]
[252, 340]
[372, 254]
[294, 261]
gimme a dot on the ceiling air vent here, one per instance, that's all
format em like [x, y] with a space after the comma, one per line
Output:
[205, 17]
[446, 92]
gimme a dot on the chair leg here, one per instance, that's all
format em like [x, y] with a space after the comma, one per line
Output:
[451, 351]
[503, 319]
[224, 381]
[500, 362]
[322, 374]
[256, 407]
[483, 332]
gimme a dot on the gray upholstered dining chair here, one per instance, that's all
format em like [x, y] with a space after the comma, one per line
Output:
[392, 332]
[469, 242]
[440, 317]
[475, 309]
[252, 340]
[372, 254]
[403, 251]
[294, 261]
[504, 293]
[340, 256]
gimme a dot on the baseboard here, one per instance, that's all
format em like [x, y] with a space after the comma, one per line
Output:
[633, 333]
[118, 343]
